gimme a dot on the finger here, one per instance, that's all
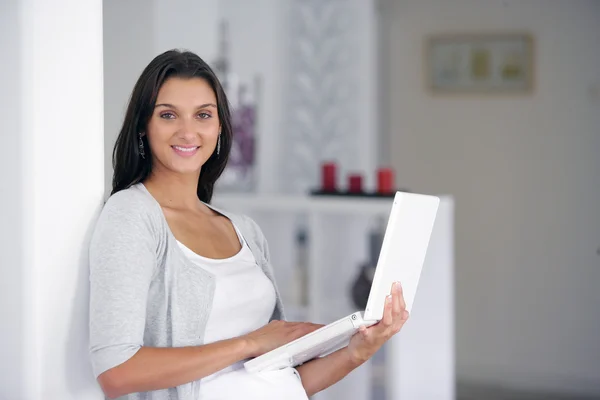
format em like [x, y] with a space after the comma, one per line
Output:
[305, 328]
[364, 332]
[400, 294]
[399, 323]
[396, 301]
[312, 327]
[292, 328]
[297, 333]
[387, 312]
[295, 325]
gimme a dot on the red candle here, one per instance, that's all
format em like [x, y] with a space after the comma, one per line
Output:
[385, 180]
[355, 183]
[328, 172]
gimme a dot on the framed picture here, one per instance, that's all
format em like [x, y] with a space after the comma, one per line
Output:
[480, 63]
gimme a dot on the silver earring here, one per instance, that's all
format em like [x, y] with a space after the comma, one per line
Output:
[141, 147]
[219, 144]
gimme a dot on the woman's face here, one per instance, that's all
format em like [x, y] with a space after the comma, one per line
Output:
[184, 126]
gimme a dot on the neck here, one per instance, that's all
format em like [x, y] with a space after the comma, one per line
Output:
[174, 190]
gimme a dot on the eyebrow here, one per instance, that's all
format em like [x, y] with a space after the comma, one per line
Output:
[199, 107]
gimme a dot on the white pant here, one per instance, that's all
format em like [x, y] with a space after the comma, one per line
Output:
[238, 384]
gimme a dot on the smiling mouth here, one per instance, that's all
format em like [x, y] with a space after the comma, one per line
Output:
[185, 149]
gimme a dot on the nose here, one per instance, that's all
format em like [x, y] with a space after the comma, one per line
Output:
[188, 128]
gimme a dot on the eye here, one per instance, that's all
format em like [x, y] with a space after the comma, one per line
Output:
[204, 115]
[167, 115]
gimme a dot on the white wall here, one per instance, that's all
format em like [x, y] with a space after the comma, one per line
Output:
[52, 181]
[12, 366]
[525, 173]
[128, 48]
[185, 24]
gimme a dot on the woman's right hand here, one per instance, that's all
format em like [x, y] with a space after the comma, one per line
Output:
[275, 334]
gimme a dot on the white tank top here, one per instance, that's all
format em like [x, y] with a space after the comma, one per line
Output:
[244, 301]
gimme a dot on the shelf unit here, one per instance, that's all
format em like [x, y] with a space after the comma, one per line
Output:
[416, 364]
[296, 204]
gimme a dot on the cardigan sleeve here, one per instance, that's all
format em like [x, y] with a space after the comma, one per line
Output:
[122, 260]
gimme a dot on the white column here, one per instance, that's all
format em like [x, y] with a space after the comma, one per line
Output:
[11, 195]
[52, 188]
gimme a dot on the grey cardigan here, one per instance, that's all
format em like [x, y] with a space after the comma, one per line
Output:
[145, 292]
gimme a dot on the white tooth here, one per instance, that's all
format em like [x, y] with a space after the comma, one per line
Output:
[185, 149]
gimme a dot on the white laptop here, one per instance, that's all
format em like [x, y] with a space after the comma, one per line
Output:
[401, 259]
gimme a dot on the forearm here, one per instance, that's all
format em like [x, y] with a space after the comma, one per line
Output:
[153, 368]
[321, 373]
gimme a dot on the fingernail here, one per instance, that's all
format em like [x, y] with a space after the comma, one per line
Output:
[398, 287]
[388, 299]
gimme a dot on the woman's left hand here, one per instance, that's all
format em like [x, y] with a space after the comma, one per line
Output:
[367, 341]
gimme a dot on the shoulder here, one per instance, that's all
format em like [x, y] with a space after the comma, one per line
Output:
[248, 227]
[251, 227]
[131, 206]
[133, 201]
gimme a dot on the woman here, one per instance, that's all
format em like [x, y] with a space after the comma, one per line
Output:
[183, 293]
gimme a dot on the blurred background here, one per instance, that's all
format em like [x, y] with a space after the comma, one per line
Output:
[494, 105]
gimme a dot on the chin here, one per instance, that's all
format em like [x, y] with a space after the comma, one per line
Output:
[186, 167]
[187, 170]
